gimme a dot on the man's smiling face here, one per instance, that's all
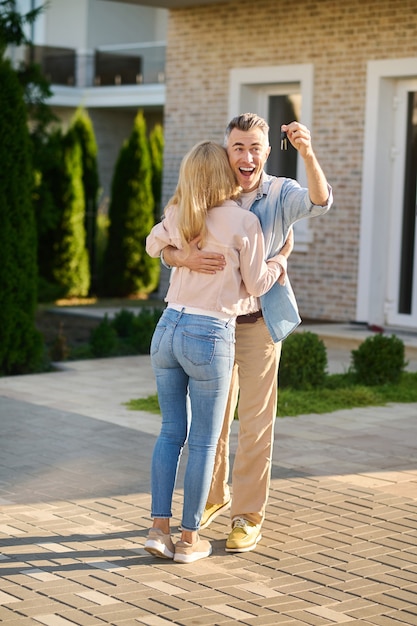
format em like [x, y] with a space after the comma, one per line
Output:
[247, 152]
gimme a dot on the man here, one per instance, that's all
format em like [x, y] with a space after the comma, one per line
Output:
[278, 203]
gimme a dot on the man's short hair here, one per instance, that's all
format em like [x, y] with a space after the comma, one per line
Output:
[245, 122]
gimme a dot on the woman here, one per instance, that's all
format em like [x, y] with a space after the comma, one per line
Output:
[192, 349]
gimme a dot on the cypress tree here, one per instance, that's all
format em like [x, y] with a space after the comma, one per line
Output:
[48, 211]
[21, 346]
[84, 131]
[70, 265]
[14, 29]
[156, 144]
[60, 210]
[128, 270]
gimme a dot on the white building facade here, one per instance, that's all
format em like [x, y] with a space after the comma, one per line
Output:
[107, 57]
[348, 70]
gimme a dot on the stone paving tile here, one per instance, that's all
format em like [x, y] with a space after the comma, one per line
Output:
[8, 616]
[339, 541]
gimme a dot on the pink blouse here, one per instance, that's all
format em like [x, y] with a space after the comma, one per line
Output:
[237, 235]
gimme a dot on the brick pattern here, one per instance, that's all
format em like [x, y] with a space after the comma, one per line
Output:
[339, 38]
[338, 546]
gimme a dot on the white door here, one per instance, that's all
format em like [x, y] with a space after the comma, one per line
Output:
[401, 301]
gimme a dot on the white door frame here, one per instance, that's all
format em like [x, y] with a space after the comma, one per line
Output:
[393, 318]
[377, 179]
[249, 89]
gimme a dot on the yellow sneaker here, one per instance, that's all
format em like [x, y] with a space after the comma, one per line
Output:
[244, 536]
[212, 511]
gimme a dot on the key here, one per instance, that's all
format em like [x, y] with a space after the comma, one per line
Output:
[284, 141]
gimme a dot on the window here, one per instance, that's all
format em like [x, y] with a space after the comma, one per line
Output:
[281, 110]
[409, 210]
[279, 94]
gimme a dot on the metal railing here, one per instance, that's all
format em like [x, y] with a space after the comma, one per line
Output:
[131, 64]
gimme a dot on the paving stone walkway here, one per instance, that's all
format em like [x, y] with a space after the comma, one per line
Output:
[339, 544]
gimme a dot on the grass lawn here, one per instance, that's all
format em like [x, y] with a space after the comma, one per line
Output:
[338, 393]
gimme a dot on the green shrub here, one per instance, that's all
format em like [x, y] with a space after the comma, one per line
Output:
[103, 339]
[156, 145]
[102, 235]
[84, 131]
[59, 200]
[123, 323]
[127, 268]
[71, 267]
[21, 348]
[125, 334]
[49, 291]
[143, 330]
[48, 210]
[59, 351]
[378, 360]
[303, 361]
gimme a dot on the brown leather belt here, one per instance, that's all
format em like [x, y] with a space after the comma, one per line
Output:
[250, 318]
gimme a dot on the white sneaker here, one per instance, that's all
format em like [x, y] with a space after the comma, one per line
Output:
[190, 552]
[159, 544]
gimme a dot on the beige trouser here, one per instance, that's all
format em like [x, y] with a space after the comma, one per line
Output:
[255, 372]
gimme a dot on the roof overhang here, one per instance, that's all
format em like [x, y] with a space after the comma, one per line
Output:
[108, 97]
[171, 4]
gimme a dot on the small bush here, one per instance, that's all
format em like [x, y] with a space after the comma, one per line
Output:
[378, 360]
[48, 291]
[103, 340]
[125, 334]
[124, 323]
[143, 330]
[59, 350]
[303, 361]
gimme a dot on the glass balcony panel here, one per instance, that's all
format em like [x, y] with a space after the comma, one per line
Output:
[57, 64]
[117, 69]
[132, 64]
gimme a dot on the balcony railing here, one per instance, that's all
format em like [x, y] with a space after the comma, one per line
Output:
[57, 64]
[132, 64]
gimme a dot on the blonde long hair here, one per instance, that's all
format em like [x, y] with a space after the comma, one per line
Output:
[205, 180]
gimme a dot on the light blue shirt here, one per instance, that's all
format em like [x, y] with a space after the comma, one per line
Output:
[279, 203]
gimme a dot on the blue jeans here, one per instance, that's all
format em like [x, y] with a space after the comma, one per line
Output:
[192, 358]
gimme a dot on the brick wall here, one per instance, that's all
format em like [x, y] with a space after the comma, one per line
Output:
[338, 38]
